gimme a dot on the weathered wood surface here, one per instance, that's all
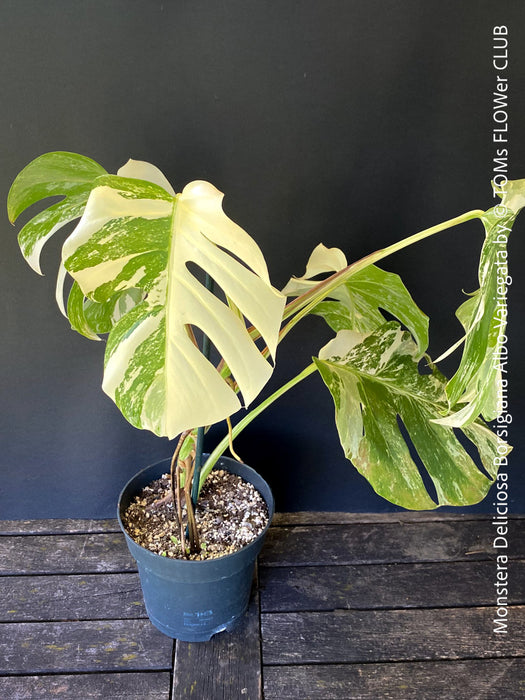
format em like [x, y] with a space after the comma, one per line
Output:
[450, 584]
[362, 606]
[491, 679]
[403, 516]
[73, 647]
[89, 597]
[55, 526]
[356, 636]
[383, 543]
[226, 667]
[110, 686]
[79, 526]
[65, 554]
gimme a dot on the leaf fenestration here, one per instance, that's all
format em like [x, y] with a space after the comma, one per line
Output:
[134, 234]
[129, 258]
[374, 379]
[67, 175]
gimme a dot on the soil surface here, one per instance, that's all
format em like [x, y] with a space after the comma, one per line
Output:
[230, 514]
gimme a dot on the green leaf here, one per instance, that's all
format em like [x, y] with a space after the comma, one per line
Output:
[472, 389]
[76, 315]
[135, 233]
[53, 174]
[101, 317]
[358, 300]
[374, 381]
[91, 318]
[188, 446]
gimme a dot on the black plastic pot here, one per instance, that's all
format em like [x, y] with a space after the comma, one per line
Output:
[193, 600]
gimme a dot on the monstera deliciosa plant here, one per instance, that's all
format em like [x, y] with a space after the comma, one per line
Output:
[165, 275]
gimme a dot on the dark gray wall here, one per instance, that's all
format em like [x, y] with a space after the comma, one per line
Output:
[351, 123]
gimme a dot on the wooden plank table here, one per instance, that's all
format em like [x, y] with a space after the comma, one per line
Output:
[394, 606]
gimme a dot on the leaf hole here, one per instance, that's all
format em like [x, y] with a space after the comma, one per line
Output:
[214, 357]
[425, 476]
[471, 450]
[201, 276]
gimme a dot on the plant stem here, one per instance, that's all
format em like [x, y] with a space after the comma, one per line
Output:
[195, 488]
[179, 509]
[303, 304]
[221, 447]
[199, 444]
[173, 466]
[192, 532]
[175, 476]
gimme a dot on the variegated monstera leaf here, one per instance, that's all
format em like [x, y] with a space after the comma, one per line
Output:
[473, 388]
[132, 256]
[375, 383]
[356, 303]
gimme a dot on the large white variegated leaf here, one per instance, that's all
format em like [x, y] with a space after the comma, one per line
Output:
[473, 388]
[374, 381]
[358, 301]
[136, 234]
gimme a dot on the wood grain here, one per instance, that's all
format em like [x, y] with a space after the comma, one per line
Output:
[57, 526]
[402, 516]
[354, 636]
[103, 686]
[88, 597]
[492, 679]
[449, 584]
[383, 543]
[73, 647]
[65, 554]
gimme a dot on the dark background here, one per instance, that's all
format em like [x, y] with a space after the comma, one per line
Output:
[350, 123]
